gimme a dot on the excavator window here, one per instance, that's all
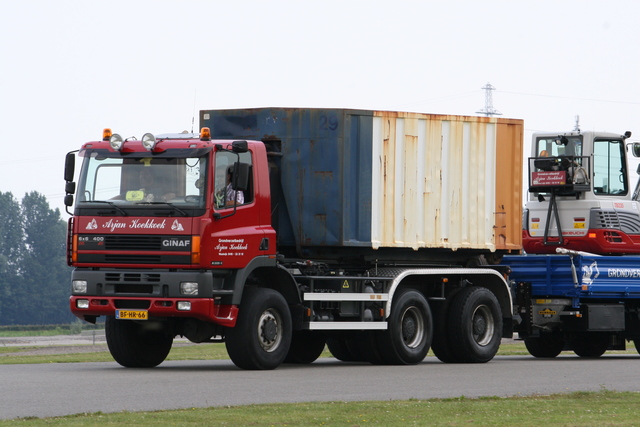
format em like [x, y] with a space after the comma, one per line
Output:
[609, 170]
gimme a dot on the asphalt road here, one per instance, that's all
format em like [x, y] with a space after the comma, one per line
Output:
[61, 389]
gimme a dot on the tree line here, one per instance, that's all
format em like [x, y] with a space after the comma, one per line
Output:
[34, 277]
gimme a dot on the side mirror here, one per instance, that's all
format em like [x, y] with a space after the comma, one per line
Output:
[636, 149]
[69, 166]
[68, 200]
[241, 176]
[239, 146]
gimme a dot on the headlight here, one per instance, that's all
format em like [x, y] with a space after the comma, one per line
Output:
[116, 142]
[82, 303]
[184, 306]
[79, 286]
[148, 141]
[189, 288]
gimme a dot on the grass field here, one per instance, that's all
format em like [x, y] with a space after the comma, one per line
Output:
[86, 353]
[604, 408]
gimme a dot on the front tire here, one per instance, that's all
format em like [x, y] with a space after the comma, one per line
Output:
[410, 330]
[136, 344]
[262, 335]
[475, 325]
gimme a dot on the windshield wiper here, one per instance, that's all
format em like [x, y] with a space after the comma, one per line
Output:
[113, 205]
[164, 203]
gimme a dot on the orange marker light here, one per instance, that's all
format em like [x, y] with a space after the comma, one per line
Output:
[74, 249]
[205, 134]
[195, 249]
[106, 134]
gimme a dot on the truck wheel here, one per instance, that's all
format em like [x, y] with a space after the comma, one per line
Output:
[636, 343]
[340, 350]
[409, 332]
[305, 347]
[262, 335]
[441, 346]
[548, 344]
[591, 345]
[475, 325]
[135, 344]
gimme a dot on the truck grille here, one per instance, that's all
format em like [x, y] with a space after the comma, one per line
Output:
[132, 277]
[133, 243]
[119, 248]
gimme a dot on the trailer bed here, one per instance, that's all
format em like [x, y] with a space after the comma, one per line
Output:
[581, 277]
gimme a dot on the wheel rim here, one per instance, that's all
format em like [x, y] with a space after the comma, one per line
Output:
[412, 327]
[270, 330]
[483, 325]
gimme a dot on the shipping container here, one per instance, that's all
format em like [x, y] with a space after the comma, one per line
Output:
[379, 179]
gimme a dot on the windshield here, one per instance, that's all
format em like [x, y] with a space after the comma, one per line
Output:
[142, 181]
[547, 147]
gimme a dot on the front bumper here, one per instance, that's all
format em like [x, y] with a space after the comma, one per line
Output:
[204, 309]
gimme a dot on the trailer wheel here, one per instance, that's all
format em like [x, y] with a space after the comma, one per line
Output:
[591, 345]
[475, 325]
[548, 344]
[410, 330]
[305, 347]
[262, 335]
[136, 344]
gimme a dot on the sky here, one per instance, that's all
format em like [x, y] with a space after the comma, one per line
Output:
[71, 68]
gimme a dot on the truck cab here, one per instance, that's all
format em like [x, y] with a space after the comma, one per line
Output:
[582, 195]
[144, 228]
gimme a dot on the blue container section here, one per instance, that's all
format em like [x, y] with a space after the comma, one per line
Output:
[596, 277]
[323, 159]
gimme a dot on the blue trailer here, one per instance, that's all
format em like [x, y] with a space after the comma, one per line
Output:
[575, 301]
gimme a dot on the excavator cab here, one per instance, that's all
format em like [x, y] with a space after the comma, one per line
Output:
[580, 194]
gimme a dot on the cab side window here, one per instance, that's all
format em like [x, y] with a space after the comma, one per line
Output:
[226, 195]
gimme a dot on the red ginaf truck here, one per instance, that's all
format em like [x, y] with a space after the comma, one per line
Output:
[279, 231]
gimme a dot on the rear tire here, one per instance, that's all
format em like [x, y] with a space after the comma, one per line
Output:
[591, 345]
[262, 335]
[306, 347]
[136, 344]
[475, 325]
[338, 346]
[441, 346]
[547, 345]
[409, 332]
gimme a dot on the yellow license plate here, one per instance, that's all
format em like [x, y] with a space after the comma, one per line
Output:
[132, 314]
